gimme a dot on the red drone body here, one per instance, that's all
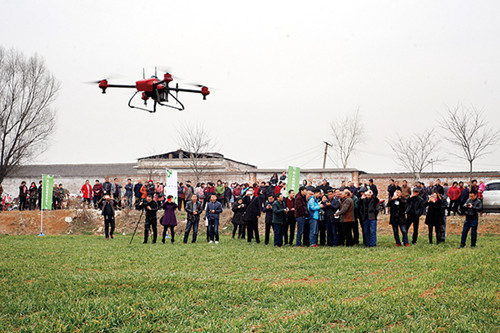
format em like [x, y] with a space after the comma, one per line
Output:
[158, 90]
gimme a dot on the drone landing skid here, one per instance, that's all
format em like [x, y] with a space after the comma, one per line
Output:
[180, 108]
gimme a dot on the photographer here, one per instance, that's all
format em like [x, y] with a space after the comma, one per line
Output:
[108, 211]
[471, 210]
[151, 207]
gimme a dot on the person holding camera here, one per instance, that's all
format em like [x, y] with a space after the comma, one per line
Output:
[238, 223]
[193, 208]
[435, 215]
[278, 210]
[108, 211]
[151, 207]
[169, 220]
[252, 214]
[214, 208]
[397, 206]
[268, 209]
[471, 210]
[415, 207]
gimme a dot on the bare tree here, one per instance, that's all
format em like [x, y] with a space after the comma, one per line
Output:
[27, 91]
[416, 152]
[195, 139]
[468, 130]
[347, 133]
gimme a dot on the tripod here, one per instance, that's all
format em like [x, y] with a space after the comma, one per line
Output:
[137, 225]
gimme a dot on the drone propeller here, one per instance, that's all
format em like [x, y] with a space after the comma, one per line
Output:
[109, 77]
[197, 85]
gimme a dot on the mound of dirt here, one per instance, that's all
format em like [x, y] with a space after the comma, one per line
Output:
[89, 221]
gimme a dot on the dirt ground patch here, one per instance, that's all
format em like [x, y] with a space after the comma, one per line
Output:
[89, 221]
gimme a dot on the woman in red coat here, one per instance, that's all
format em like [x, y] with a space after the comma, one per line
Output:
[454, 193]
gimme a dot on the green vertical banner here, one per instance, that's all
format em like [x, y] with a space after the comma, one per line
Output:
[47, 190]
[293, 179]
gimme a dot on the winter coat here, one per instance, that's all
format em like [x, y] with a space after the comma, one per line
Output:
[252, 211]
[454, 193]
[169, 218]
[346, 211]
[268, 211]
[227, 193]
[151, 212]
[106, 188]
[471, 213]
[215, 206]
[137, 190]
[331, 209]
[434, 213]
[189, 192]
[219, 191]
[415, 206]
[86, 191]
[159, 192]
[398, 211]
[238, 210]
[368, 208]
[406, 191]
[23, 191]
[191, 207]
[313, 207]
[374, 189]
[129, 190]
[113, 204]
[300, 206]
[278, 212]
[465, 195]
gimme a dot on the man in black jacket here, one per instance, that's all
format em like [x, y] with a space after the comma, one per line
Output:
[415, 207]
[252, 214]
[471, 210]
[108, 211]
[151, 207]
[268, 209]
[368, 211]
[193, 208]
[137, 193]
[106, 187]
[331, 206]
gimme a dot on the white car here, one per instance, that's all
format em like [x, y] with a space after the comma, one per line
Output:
[491, 197]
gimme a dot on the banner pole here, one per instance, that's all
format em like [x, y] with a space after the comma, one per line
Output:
[41, 214]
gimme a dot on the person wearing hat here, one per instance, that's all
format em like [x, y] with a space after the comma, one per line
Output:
[415, 207]
[108, 211]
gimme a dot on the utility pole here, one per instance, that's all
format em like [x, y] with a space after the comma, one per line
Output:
[326, 153]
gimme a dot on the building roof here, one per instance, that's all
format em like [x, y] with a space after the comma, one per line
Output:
[176, 155]
[75, 170]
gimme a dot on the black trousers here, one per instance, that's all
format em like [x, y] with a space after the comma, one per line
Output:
[289, 229]
[355, 230]
[96, 199]
[253, 228]
[22, 203]
[150, 224]
[437, 228]
[322, 232]
[240, 229]
[305, 235]
[109, 221]
[413, 219]
[164, 234]
[267, 233]
[454, 205]
[347, 229]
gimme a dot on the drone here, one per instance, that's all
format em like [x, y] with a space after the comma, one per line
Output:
[159, 91]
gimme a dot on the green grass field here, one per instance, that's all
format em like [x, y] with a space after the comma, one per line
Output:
[87, 284]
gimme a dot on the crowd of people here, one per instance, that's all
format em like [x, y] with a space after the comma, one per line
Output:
[317, 215]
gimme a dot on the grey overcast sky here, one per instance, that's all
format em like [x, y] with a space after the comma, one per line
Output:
[283, 70]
